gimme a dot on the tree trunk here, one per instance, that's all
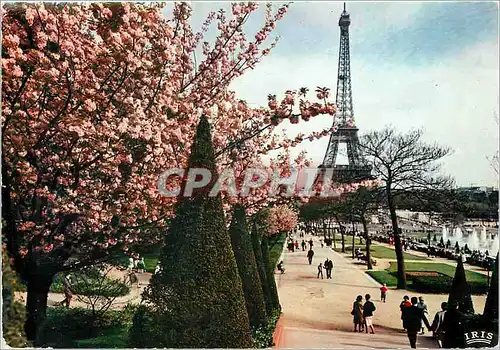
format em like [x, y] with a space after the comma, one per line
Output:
[333, 235]
[353, 239]
[324, 228]
[397, 241]
[36, 306]
[367, 243]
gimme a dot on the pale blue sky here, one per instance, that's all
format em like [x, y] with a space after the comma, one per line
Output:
[414, 65]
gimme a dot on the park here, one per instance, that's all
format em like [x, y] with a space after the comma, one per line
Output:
[148, 201]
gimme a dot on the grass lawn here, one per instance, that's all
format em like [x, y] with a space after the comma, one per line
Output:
[381, 252]
[445, 269]
[151, 260]
[276, 245]
[348, 248]
[388, 276]
[384, 276]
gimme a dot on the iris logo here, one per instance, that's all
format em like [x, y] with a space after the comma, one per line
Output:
[480, 339]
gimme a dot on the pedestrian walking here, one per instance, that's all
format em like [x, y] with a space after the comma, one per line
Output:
[383, 292]
[296, 245]
[404, 304]
[303, 244]
[321, 241]
[412, 319]
[141, 266]
[437, 324]
[310, 255]
[368, 310]
[68, 293]
[423, 306]
[130, 266]
[320, 270]
[328, 267]
[310, 243]
[357, 313]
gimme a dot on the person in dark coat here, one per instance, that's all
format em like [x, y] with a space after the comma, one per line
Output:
[357, 313]
[412, 321]
[453, 326]
[437, 324]
[303, 244]
[311, 244]
[368, 309]
[310, 255]
[328, 267]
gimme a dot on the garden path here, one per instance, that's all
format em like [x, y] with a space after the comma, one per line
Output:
[316, 312]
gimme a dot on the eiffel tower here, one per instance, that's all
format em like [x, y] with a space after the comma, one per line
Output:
[346, 131]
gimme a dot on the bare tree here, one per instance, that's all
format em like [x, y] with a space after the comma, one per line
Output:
[407, 165]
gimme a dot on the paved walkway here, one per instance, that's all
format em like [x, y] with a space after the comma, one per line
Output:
[316, 312]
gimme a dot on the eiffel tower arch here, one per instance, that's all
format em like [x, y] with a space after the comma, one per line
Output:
[345, 130]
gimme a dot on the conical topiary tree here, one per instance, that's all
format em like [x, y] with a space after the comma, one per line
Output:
[247, 267]
[261, 268]
[460, 290]
[197, 297]
[273, 290]
[490, 313]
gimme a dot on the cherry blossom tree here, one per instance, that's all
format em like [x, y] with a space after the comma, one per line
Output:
[281, 218]
[98, 100]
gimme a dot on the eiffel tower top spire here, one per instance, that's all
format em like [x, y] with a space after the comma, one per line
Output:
[345, 112]
[345, 132]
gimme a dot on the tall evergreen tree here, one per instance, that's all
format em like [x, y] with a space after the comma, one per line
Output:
[460, 290]
[256, 243]
[247, 267]
[13, 312]
[273, 289]
[490, 313]
[197, 296]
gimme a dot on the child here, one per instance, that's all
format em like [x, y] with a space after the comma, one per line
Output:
[383, 292]
[320, 270]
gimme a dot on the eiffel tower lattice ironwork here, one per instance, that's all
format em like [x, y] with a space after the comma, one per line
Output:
[346, 131]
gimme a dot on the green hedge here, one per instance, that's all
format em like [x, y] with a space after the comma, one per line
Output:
[383, 276]
[263, 336]
[442, 284]
[76, 328]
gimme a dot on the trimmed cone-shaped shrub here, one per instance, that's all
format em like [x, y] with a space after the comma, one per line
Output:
[491, 307]
[460, 291]
[197, 296]
[247, 267]
[13, 312]
[261, 268]
[273, 290]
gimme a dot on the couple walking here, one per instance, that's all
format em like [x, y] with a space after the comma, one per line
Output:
[413, 314]
[328, 266]
[363, 314]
